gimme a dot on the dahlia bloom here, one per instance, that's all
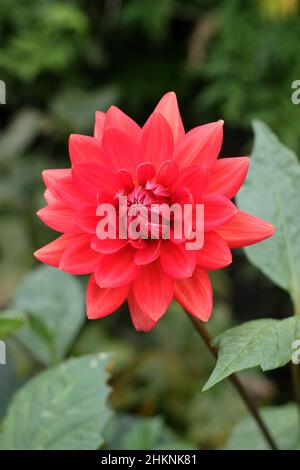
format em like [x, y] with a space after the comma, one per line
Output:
[159, 162]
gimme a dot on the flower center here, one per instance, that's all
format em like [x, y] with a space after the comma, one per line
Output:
[151, 193]
[143, 210]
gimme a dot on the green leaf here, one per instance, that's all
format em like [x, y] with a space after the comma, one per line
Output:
[10, 321]
[271, 192]
[63, 408]
[56, 301]
[266, 343]
[126, 432]
[281, 420]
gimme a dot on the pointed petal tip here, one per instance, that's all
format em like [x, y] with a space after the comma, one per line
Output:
[141, 321]
[145, 328]
[72, 137]
[195, 294]
[169, 95]
[204, 317]
[270, 229]
[229, 259]
[113, 108]
[245, 229]
[266, 229]
[39, 213]
[36, 254]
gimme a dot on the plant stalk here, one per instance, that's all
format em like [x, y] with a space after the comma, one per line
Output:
[201, 330]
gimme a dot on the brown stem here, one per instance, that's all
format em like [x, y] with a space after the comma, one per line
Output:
[236, 382]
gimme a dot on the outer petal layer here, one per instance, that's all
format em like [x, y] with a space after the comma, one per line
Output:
[244, 229]
[215, 253]
[78, 257]
[168, 108]
[99, 124]
[92, 178]
[118, 119]
[59, 217]
[195, 294]
[117, 269]
[227, 176]
[51, 254]
[194, 178]
[102, 301]
[121, 152]
[156, 141]
[148, 254]
[140, 320]
[153, 290]
[200, 146]
[83, 148]
[217, 211]
[176, 261]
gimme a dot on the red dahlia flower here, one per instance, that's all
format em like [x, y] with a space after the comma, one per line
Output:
[158, 163]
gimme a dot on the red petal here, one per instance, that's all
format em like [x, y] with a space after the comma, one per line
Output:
[86, 219]
[51, 254]
[181, 195]
[59, 217]
[124, 180]
[148, 254]
[168, 108]
[156, 141]
[68, 192]
[215, 253]
[145, 172]
[117, 119]
[244, 229]
[167, 173]
[52, 177]
[217, 211]
[108, 245]
[200, 146]
[101, 301]
[49, 197]
[195, 178]
[117, 269]
[92, 178]
[140, 320]
[227, 176]
[120, 150]
[153, 290]
[99, 124]
[78, 257]
[83, 148]
[176, 261]
[195, 294]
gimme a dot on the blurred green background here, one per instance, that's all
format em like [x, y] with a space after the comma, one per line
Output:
[61, 61]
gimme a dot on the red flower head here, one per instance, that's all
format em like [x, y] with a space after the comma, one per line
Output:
[156, 164]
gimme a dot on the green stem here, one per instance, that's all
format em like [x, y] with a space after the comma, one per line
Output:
[200, 328]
